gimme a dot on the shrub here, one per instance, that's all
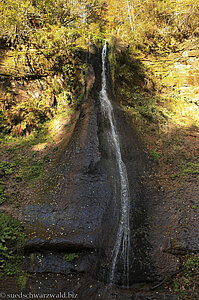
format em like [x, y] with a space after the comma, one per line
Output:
[11, 245]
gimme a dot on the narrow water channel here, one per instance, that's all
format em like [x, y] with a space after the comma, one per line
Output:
[120, 253]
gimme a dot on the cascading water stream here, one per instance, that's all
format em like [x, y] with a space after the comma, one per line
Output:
[122, 244]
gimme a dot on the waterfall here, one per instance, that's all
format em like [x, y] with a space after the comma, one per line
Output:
[122, 244]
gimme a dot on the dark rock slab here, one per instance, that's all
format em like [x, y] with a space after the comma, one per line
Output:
[69, 215]
[56, 262]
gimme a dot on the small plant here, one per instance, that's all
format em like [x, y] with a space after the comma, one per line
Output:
[22, 280]
[173, 176]
[191, 266]
[6, 168]
[176, 287]
[32, 260]
[155, 155]
[71, 256]
[190, 168]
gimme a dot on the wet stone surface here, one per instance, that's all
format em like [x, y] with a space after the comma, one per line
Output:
[58, 262]
[74, 207]
[80, 287]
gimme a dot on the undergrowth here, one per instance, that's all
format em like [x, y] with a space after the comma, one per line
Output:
[186, 170]
[11, 247]
[145, 88]
[27, 157]
[185, 284]
[191, 168]
[6, 169]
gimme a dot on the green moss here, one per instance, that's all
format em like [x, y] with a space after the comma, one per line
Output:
[71, 256]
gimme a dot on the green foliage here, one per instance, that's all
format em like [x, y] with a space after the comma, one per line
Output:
[34, 172]
[13, 17]
[30, 168]
[11, 245]
[154, 26]
[2, 192]
[46, 38]
[29, 165]
[185, 284]
[155, 155]
[191, 266]
[71, 256]
[11, 150]
[22, 279]
[6, 169]
[22, 117]
[191, 168]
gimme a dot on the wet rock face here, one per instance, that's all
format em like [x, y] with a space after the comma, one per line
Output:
[78, 208]
[70, 215]
[79, 286]
[59, 262]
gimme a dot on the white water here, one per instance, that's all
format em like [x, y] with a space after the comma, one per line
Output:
[122, 244]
